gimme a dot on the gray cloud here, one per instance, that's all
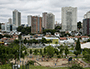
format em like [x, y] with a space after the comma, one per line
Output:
[36, 7]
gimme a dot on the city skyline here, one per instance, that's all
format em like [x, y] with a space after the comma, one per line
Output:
[37, 7]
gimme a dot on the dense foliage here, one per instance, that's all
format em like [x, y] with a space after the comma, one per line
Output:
[7, 36]
[77, 48]
[66, 51]
[10, 52]
[52, 31]
[86, 54]
[50, 51]
[79, 25]
[24, 30]
[76, 67]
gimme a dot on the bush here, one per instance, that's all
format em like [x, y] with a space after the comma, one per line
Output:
[3, 61]
[87, 57]
[76, 67]
[31, 62]
[59, 56]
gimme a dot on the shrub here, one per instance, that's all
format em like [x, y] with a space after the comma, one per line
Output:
[75, 66]
[58, 56]
[87, 57]
[31, 62]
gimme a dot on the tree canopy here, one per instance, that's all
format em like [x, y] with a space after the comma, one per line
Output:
[78, 46]
[66, 51]
[79, 25]
[50, 51]
[24, 30]
[52, 31]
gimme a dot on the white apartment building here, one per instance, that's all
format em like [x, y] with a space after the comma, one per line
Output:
[44, 20]
[50, 21]
[69, 19]
[16, 18]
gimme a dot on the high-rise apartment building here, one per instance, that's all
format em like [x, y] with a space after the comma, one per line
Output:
[50, 21]
[16, 18]
[87, 15]
[86, 26]
[44, 20]
[69, 19]
[29, 19]
[36, 25]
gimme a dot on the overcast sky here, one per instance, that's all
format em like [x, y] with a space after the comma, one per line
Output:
[36, 7]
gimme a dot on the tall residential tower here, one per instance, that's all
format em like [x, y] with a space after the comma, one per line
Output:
[69, 19]
[16, 18]
[50, 21]
[29, 19]
[36, 25]
[44, 20]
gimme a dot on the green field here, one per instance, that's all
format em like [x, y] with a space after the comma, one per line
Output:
[8, 66]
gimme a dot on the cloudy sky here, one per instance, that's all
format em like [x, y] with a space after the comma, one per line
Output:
[36, 7]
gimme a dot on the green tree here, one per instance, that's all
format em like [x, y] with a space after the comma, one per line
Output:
[36, 51]
[40, 51]
[61, 50]
[56, 51]
[49, 41]
[49, 30]
[30, 51]
[7, 36]
[87, 57]
[44, 40]
[50, 51]
[45, 51]
[25, 40]
[19, 29]
[76, 53]
[16, 41]
[23, 31]
[25, 52]
[79, 25]
[34, 41]
[78, 46]
[66, 51]
[19, 36]
[57, 28]
[1, 36]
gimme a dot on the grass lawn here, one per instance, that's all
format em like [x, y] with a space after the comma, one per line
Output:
[7, 66]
